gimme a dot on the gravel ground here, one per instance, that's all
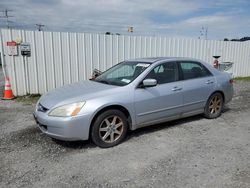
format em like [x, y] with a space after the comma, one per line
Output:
[192, 152]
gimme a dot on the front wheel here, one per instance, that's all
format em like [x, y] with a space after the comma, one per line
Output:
[214, 106]
[109, 128]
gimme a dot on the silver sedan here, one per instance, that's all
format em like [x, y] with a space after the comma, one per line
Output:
[130, 95]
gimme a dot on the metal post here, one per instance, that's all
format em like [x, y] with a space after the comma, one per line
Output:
[2, 55]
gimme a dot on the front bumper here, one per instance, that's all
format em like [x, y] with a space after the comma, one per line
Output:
[63, 128]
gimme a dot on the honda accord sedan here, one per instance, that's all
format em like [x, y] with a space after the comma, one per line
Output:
[130, 95]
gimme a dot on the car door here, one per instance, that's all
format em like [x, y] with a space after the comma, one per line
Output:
[198, 84]
[163, 101]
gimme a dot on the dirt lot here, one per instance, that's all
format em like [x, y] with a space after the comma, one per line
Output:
[193, 152]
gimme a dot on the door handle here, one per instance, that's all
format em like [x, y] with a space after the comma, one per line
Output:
[176, 88]
[209, 82]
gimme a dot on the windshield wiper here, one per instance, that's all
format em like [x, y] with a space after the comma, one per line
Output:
[103, 81]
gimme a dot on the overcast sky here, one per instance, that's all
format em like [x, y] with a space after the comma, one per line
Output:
[185, 18]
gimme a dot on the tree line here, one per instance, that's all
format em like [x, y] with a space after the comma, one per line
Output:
[238, 40]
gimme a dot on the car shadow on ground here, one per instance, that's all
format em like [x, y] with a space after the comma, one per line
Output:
[86, 144]
[168, 125]
[225, 109]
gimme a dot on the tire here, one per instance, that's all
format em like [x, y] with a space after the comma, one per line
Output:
[214, 106]
[109, 128]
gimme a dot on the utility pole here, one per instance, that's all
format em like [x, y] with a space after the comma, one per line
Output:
[6, 16]
[39, 26]
[203, 33]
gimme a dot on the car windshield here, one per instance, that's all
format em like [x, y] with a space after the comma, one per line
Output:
[123, 73]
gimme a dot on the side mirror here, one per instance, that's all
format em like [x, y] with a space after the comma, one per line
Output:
[149, 82]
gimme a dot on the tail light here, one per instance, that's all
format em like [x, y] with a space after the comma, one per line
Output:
[231, 81]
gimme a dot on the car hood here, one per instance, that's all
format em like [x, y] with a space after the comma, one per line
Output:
[76, 92]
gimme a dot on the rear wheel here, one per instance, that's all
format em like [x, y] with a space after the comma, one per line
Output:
[214, 106]
[109, 128]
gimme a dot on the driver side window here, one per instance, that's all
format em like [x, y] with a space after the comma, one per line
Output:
[164, 73]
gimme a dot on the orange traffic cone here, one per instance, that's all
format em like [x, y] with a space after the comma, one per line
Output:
[7, 90]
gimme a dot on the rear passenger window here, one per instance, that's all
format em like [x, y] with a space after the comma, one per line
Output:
[164, 73]
[192, 70]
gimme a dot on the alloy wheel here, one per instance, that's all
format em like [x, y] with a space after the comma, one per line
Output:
[111, 129]
[215, 105]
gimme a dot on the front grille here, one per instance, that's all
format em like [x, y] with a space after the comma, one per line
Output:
[41, 108]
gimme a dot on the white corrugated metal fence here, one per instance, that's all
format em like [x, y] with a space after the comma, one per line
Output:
[61, 58]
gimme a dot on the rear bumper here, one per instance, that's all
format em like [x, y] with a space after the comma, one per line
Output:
[63, 128]
[229, 94]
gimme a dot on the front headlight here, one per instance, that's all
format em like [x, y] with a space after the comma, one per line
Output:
[68, 110]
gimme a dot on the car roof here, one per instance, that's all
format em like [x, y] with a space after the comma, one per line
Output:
[157, 59]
